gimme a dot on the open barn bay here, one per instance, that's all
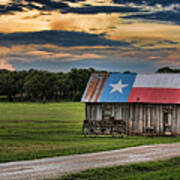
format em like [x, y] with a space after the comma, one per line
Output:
[34, 130]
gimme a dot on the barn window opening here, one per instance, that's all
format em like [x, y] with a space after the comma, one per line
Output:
[167, 122]
[149, 126]
[107, 112]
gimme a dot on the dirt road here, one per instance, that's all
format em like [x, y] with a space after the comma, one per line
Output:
[58, 166]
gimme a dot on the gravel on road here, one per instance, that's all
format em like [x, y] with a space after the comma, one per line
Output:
[58, 166]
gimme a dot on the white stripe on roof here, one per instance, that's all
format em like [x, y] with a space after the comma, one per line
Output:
[157, 80]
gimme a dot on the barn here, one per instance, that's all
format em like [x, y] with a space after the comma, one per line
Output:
[133, 104]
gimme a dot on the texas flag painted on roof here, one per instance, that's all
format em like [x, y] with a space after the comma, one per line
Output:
[134, 88]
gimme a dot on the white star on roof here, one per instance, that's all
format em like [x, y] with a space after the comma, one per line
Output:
[118, 87]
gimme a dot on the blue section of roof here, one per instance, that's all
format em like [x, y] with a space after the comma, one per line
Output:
[117, 88]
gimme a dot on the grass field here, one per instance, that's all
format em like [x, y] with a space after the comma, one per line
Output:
[159, 170]
[32, 130]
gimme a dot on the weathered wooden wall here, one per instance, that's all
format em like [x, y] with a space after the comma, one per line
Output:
[158, 119]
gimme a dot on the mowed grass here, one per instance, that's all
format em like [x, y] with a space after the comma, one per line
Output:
[32, 130]
[159, 170]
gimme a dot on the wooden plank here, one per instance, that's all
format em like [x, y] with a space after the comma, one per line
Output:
[178, 119]
[161, 119]
[173, 128]
[88, 114]
[141, 118]
[148, 117]
[136, 119]
[93, 112]
[98, 112]
[157, 119]
[118, 113]
[144, 118]
[113, 111]
[131, 118]
[154, 118]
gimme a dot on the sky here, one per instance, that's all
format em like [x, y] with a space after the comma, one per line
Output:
[114, 35]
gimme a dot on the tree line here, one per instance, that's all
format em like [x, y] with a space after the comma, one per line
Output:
[36, 85]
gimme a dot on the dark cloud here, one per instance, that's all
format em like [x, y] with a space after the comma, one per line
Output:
[73, 1]
[18, 5]
[6, 9]
[60, 38]
[101, 9]
[166, 16]
[148, 2]
[157, 10]
[168, 42]
[164, 10]
[160, 43]
[48, 5]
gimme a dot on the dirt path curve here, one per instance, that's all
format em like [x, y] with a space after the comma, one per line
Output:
[58, 166]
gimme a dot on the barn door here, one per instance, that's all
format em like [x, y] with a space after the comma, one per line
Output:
[167, 121]
[148, 119]
[107, 112]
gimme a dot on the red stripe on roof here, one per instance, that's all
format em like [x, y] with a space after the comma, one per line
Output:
[97, 80]
[155, 95]
[90, 87]
[101, 88]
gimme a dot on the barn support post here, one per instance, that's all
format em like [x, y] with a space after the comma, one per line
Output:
[157, 119]
[178, 120]
[161, 119]
[141, 118]
[173, 120]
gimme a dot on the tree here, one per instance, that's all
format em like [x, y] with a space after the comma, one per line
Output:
[40, 86]
[168, 70]
[7, 84]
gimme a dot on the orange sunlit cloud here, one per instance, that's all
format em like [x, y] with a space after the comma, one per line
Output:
[86, 23]
[5, 65]
[146, 32]
[18, 22]
[4, 2]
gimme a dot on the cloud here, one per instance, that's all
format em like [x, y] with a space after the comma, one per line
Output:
[148, 2]
[4, 64]
[84, 23]
[173, 58]
[50, 53]
[49, 4]
[21, 5]
[60, 38]
[18, 23]
[4, 9]
[49, 56]
[149, 10]
[164, 16]
[63, 7]
[101, 9]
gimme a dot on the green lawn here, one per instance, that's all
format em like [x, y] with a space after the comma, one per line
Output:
[159, 170]
[32, 130]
